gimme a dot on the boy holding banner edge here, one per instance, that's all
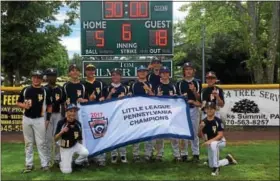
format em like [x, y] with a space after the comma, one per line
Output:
[166, 88]
[115, 91]
[142, 87]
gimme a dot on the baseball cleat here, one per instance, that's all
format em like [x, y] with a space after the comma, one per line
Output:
[231, 159]
[46, 168]
[159, 158]
[177, 159]
[195, 159]
[215, 172]
[101, 163]
[123, 159]
[184, 158]
[27, 169]
[114, 159]
[136, 159]
[206, 162]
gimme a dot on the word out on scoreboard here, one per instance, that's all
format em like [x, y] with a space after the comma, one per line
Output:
[126, 28]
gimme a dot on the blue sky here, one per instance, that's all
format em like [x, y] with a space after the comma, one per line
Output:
[72, 42]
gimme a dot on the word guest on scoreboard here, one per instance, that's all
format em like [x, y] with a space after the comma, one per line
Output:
[126, 28]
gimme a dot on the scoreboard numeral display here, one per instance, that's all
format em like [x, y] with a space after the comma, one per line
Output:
[118, 27]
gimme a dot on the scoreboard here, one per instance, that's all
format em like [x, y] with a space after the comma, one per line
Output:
[126, 28]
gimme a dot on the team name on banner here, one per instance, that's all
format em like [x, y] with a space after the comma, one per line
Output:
[254, 107]
[117, 123]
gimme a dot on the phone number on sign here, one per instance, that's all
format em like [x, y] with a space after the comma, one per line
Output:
[11, 128]
[247, 122]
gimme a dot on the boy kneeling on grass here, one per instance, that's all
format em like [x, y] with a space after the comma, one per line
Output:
[69, 133]
[213, 130]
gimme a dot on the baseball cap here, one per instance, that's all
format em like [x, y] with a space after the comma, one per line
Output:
[72, 106]
[73, 66]
[90, 66]
[211, 74]
[116, 70]
[38, 73]
[154, 60]
[51, 71]
[141, 68]
[164, 69]
[210, 105]
[188, 64]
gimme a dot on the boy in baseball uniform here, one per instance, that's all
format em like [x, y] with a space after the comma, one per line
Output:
[69, 135]
[212, 129]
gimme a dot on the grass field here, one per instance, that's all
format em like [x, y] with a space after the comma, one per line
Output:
[257, 161]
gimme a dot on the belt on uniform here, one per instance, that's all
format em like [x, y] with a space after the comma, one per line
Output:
[34, 117]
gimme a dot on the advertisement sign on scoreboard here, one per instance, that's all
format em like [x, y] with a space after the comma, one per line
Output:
[126, 28]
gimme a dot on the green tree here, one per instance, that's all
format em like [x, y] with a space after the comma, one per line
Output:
[28, 33]
[254, 26]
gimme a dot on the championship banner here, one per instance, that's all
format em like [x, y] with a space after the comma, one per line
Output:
[117, 123]
[251, 107]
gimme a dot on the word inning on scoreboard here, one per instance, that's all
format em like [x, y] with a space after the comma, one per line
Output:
[126, 28]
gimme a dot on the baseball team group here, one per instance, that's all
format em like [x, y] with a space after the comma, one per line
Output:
[50, 116]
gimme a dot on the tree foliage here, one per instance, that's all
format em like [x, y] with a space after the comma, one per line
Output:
[29, 34]
[248, 27]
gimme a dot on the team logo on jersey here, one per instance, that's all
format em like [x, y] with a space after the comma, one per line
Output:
[57, 97]
[214, 128]
[171, 93]
[40, 97]
[98, 127]
[79, 93]
[97, 90]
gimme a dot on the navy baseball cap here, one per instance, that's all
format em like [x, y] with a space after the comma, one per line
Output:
[72, 106]
[73, 66]
[210, 105]
[188, 64]
[116, 70]
[38, 73]
[164, 69]
[211, 74]
[142, 68]
[154, 60]
[90, 67]
[51, 71]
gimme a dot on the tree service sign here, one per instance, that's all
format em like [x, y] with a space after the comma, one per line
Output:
[251, 107]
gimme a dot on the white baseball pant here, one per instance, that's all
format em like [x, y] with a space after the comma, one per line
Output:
[66, 155]
[148, 147]
[34, 130]
[175, 147]
[50, 137]
[194, 114]
[213, 154]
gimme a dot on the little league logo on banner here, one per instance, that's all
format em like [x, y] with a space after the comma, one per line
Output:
[117, 123]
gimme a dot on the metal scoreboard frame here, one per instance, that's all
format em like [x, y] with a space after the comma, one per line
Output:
[104, 35]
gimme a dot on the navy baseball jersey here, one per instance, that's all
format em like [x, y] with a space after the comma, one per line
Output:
[96, 87]
[119, 90]
[166, 89]
[72, 136]
[74, 91]
[57, 97]
[183, 87]
[38, 98]
[206, 94]
[154, 80]
[212, 127]
[137, 88]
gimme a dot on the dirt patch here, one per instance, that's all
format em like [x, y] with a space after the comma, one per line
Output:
[231, 136]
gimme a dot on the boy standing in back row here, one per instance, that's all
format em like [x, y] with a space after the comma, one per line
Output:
[190, 88]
